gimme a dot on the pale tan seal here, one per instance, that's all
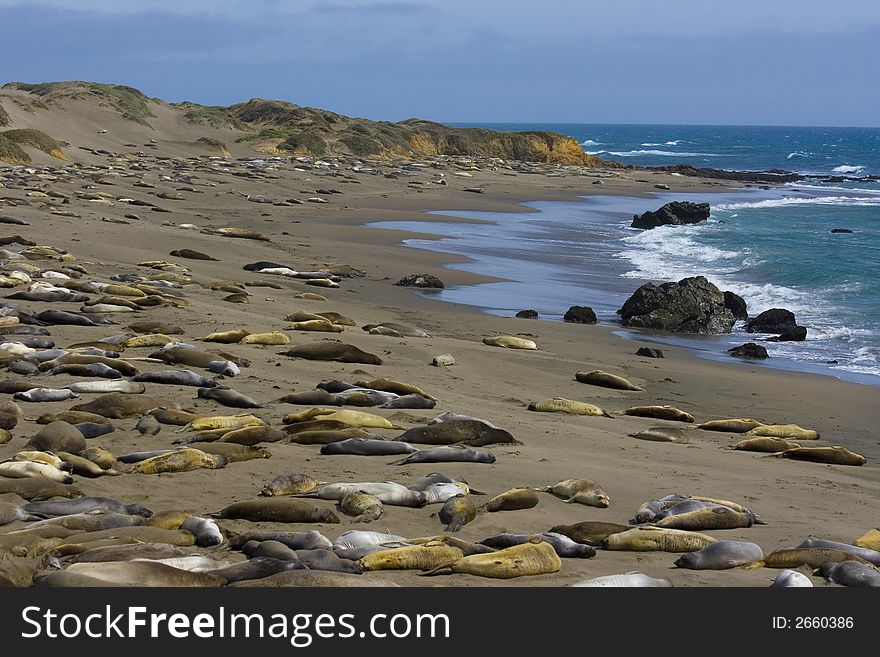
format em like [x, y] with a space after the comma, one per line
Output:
[510, 342]
[606, 380]
[582, 491]
[533, 558]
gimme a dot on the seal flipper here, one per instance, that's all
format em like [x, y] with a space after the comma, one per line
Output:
[455, 524]
[445, 569]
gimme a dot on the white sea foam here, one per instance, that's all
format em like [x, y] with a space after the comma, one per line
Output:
[834, 188]
[590, 142]
[817, 200]
[640, 153]
[847, 168]
[795, 154]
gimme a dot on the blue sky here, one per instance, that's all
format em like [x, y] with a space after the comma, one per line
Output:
[811, 62]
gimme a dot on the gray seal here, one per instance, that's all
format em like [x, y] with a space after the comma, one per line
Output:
[410, 401]
[309, 540]
[206, 531]
[462, 432]
[255, 568]
[787, 579]
[872, 556]
[850, 573]
[721, 555]
[367, 447]
[564, 546]
[55, 508]
[329, 561]
[448, 454]
[176, 377]
[228, 397]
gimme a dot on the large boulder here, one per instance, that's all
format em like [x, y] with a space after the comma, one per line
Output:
[692, 305]
[749, 350]
[580, 315]
[421, 280]
[676, 213]
[775, 320]
[796, 334]
[736, 304]
[527, 314]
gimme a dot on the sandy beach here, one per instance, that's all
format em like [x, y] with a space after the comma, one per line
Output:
[795, 499]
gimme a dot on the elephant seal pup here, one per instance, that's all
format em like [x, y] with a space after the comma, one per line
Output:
[836, 455]
[657, 539]
[363, 506]
[790, 579]
[321, 325]
[328, 561]
[137, 457]
[58, 437]
[813, 557]
[273, 338]
[583, 491]
[192, 255]
[37, 489]
[228, 397]
[270, 548]
[92, 369]
[511, 500]
[660, 413]
[292, 483]
[145, 573]
[631, 579]
[93, 521]
[438, 493]
[206, 531]
[37, 395]
[387, 492]
[564, 546]
[768, 445]
[310, 540]
[315, 425]
[662, 435]
[277, 510]
[327, 437]
[355, 539]
[255, 568]
[118, 405]
[233, 452]
[457, 511]
[850, 573]
[449, 417]
[71, 417]
[707, 518]
[605, 380]
[332, 350]
[367, 447]
[317, 397]
[536, 557]
[121, 385]
[155, 327]
[410, 401]
[131, 551]
[397, 387]
[183, 460]
[462, 432]
[148, 426]
[563, 405]
[226, 337]
[176, 378]
[251, 436]
[792, 431]
[510, 342]
[395, 330]
[447, 454]
[873, 556]
[411, 557]
[24, 469]
[721, 555]
[93, 429]
[171, 519]
[731, 425]
[55, 508]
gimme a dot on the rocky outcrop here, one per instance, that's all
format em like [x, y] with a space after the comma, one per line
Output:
[749, 350]
[769, 176]
[580, 315]
[676, 213]
[780, 321]
[692, 305]
[795, 334]
[841, 230]
[649, 352]
[736, 304]
[527, 314]
[421, 280]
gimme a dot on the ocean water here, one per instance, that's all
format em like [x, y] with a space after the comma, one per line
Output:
[773, 247]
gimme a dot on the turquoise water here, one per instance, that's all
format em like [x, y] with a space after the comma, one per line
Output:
[773, 247]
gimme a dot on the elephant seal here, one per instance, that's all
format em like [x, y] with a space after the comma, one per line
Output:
[318, 397]
[130, 551]
[510, 342]
[190, 357]
[315, 425]
[439, 492]
[12, 512]
[293, 483]
[171, 519]
[310, 540]
[332, 350]
[148, 426]
[447, 454]
[356, 539]
[511, 500]
[769, 445]
[327, 560]
[37, 395]
[319, 324]
[58, 436]
[411, 557]
[660, 413]
[123, 367]
[255, 568]
[583, 491]
[662, 435]
[145, 573]
[365, 397]
[707, 518]
[448, 417]
[148, 340]
[813, 557]
[272, 338]
[70, 318]
[175, 378]
[155, 327]
[563, 405]
[536, 557]
[790, 579]
[183, 460]
[271, 549]
[397, 387]
[564, 546]
[327, 437]
[365, 507]
[836, 455]
[721, 555]
[55, 508]
[228, 397]
[631, 579]
[251, 436]
[23, 469]
[410, 401]
[93, 521]
[36, 489]
[352, 418]
[277, 510]
[457, 511]
[653, 539]
[872, 556]
[118, 405]
[67, 579]
[606, 380]
[192, 255]
[462, 432]
[233, 452]
[119, 385]
[387, 492]
[397, 330]
[367, 447]
[850, 573]
[731, 425]
[228, 422]
[5, 436]
[172, 416]
[94, 429]
[71, 417]
[226, 337]
[91, 369]
[206, 531]
[792, 431]
[869, 540]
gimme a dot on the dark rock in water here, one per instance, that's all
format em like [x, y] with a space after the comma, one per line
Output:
[775, 320]
[771, 175]
[841, 230]
[692, 305]
[649, 352]
[736, 304]
[421, 280]
[580, 315]
[749, 350]
[676, 213]
[527, 314]
[796, 334]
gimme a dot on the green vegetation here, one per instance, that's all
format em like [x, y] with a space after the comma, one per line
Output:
[11, 152]
[212, 115]
[4, 117]
[267, 133]
[309, 141]
[127, 101]
[34, 139]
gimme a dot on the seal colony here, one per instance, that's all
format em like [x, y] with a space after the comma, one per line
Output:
[176, 392]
